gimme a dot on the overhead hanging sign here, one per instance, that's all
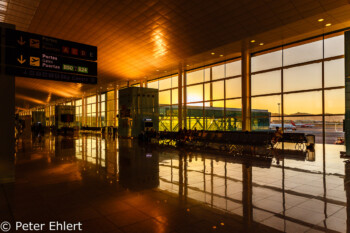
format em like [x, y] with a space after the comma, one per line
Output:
[51, 62]
[20, 39]
[36, 56]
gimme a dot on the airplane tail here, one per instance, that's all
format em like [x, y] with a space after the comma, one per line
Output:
[292, 123]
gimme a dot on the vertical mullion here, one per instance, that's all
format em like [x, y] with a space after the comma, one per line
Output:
[323, 97]
[282, 92]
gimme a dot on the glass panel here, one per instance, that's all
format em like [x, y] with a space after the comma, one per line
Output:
[93, 107]
[267, 61]
[215, 116]
[207, 91]
[307, 125]
[175, 96]
[218, 90]
[174, 118]
[303, 77]
[334, 46]
[270, 104]
[174, 81]
[334, 130]
[103, 97]
[303, 53]
[335, 101]
[334, 73]
[233, 88]
[234, 115]
[164, 97]
[195, 117]
[264, 108]
[218, 71]
[303, 103]
[165, 84]
[262, 121]
[233, 68]
[153, 85]
[266, 83]
[195, 77]
[110, 95]
[207, 74]
[195, 93]
[164, 118]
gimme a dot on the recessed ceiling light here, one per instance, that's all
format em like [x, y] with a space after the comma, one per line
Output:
[328, 24]
[157, 70]
[252, 41]
[320, 20]
[221, 55]
[261, 43]
[134, 80]
[188, 65]
[212, 53]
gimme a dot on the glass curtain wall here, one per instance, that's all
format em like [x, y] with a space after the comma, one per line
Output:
[168, 102]
[110, 108]
[102, 110]
[78, 112]
[213, 97]
[302, 86]
[91, 111]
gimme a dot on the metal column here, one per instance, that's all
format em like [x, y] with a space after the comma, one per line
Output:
[246, 111]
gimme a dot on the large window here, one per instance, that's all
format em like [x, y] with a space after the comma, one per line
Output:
[298, 84]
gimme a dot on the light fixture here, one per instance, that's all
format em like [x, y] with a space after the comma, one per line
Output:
[212, 53]
[328, 24]
[261, 43]
[221, 55]
[320, 20]
[188, 65]
[157, 70]
[252, 41]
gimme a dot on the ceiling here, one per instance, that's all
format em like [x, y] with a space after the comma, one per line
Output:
[140, 39]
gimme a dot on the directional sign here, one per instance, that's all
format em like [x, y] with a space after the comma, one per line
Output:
[40, 74]
[20, 39]
[35, 59]
[37, 56]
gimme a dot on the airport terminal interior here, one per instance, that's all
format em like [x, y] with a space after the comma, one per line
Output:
[175, 116]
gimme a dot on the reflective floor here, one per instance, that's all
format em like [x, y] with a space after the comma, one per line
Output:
[123, 186]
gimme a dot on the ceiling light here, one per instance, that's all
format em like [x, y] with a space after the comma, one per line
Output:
[320, 20]
[157, 70]
[212, 53]
[328, 24]
[261, 43]
[188, 65]
[221, 55]
[252, 41]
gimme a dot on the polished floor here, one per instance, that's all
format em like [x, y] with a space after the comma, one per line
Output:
[123, 186]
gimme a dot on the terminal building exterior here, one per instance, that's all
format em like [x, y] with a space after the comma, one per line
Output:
[219, 66]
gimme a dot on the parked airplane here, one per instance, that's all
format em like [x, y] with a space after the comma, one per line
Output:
[286, 126]
[303, 125]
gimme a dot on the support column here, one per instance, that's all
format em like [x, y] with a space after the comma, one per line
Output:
[179, 110]
[115, 106]
[246, 111]
[184, 116]
[83, 109]
[347, 92]
[7, 116]
[97, 107]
